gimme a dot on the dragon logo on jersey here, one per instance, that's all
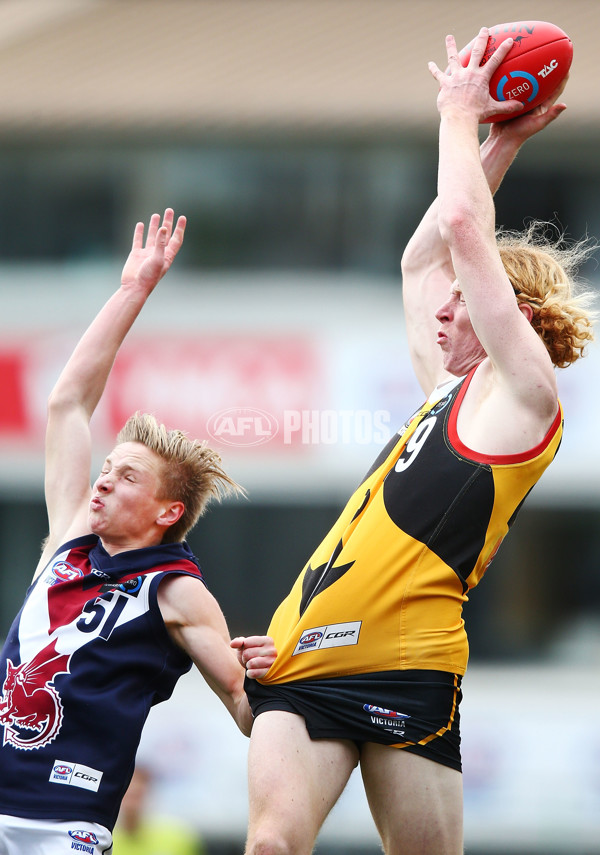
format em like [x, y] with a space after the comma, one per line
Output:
[30, 707]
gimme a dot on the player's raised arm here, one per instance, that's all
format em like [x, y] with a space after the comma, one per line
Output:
[83, 379]
[466, 219]
[427, 269]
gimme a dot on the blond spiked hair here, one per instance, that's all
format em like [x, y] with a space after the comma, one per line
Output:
[191, 472]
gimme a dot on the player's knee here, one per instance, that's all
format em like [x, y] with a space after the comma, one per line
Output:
[269, 842]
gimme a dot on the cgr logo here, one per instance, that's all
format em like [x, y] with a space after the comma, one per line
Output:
[85, 777]
[242, 426]
[75, 775]
[334, 635]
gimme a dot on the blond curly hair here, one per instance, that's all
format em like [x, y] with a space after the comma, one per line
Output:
[191, 473]
[543, 274]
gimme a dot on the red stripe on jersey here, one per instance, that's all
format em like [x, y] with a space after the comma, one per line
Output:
[498, 459]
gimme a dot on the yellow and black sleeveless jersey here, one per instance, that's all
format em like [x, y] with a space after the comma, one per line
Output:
[385, 589]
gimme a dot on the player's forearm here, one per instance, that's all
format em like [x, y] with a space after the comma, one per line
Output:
[244, 718]
[497, 154]
[426, 247]
[82, 381]
[234, 699]
[464, 194]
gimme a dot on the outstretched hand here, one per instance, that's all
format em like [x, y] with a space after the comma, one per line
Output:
[468, 88]
[256, 654]
[146, 265]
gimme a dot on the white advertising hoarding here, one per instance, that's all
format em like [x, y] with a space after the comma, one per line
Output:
[298, 382]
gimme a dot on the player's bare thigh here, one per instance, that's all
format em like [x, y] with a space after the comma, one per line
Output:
[416, 803]
[294, 782]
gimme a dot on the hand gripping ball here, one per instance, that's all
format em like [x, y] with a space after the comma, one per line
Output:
[534, 67]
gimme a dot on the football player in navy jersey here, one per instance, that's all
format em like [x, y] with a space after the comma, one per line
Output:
[371, 642]
[118, 609]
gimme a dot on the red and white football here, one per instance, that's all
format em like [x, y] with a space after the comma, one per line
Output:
[534, 67]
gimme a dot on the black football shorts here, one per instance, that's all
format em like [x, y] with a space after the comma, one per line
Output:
[417, 711]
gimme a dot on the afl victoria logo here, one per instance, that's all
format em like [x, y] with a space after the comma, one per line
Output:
[382, 711]
[62, 769]
[65, 572]
[84, 837]
[311, 637]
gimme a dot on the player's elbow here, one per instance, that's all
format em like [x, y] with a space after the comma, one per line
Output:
[62, 401]
[412, 259]
[65, 409]
[461, 227]
[59, 401]
[453, 221]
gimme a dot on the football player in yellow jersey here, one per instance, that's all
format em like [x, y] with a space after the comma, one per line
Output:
[371, 643]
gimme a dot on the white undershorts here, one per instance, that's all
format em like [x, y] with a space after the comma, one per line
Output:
[19, 836]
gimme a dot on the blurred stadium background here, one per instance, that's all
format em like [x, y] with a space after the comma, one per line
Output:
[299, 137]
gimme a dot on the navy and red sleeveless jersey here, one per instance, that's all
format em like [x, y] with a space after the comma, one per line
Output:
[86, 658]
